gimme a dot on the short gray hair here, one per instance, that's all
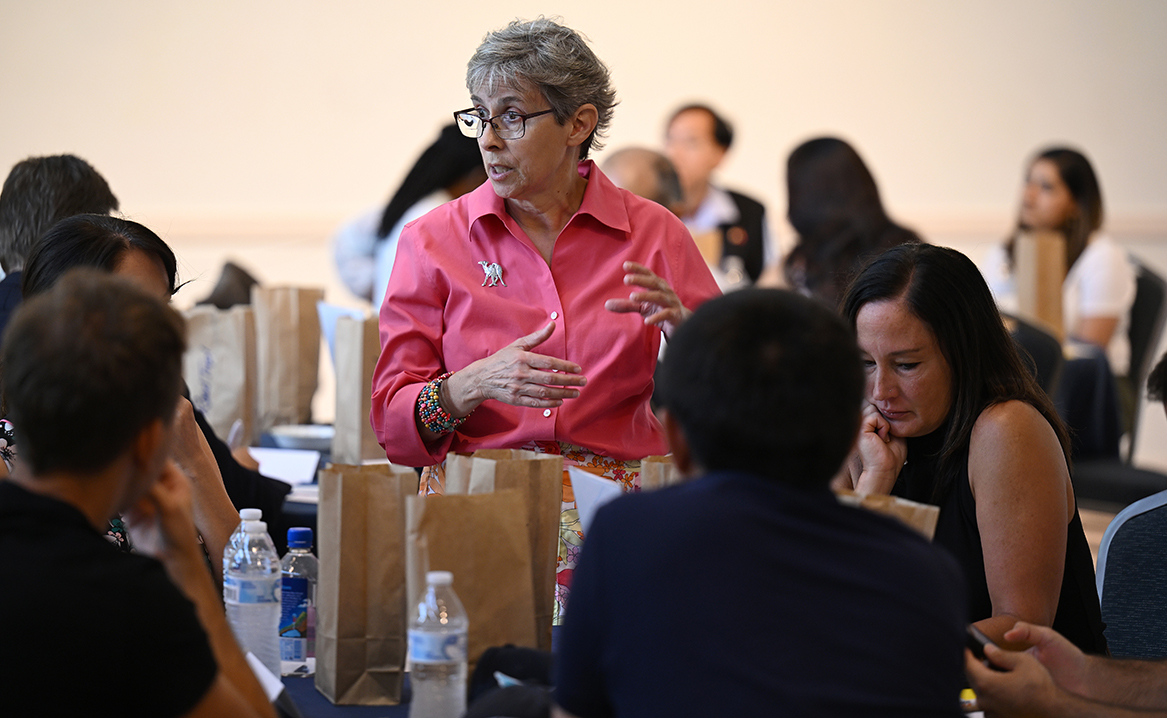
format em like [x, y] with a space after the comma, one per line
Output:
[554, 58]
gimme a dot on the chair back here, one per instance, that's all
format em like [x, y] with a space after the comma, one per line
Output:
[1148, 317]
[1132, 580]
[1040, 351]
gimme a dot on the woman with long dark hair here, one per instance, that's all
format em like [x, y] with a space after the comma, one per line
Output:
[833, 204]
[131, 250]
[366, 247]
[1062, 194]
[953, 418]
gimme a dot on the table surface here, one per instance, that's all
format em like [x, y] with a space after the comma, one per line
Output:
[313, 704]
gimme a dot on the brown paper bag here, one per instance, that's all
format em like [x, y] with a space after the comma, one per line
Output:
[922, 517]
[1039, 269]
[482, 539]
[219, 367]
[287, 349]
[358, 345]
[540, 478]
[361, 606]
[657, 472]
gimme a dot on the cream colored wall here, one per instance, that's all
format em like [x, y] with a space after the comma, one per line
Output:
[250, 129]
[203, 115]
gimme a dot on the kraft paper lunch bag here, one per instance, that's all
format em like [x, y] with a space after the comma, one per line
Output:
[540, 478]
[361, 605]
[657, 472]
[482, 539]
[220, 367]
[358, 345]
[287, 350]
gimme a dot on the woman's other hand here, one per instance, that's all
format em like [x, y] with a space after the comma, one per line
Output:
[658, 303]
[881, 455]
[514, 375]
[162, 521]
[214, 514]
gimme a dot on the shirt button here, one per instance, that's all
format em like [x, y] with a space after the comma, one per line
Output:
[546, 412]
[554, 315]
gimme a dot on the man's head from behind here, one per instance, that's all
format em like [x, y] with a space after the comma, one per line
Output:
[88, 365]
[767, 382]
[38, 192]
[645, 173]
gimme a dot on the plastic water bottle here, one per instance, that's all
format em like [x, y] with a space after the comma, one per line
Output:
[298, 603]
[251, 592]
[437, 651]
[245, 515]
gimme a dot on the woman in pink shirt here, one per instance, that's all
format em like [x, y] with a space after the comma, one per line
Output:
[529, 312]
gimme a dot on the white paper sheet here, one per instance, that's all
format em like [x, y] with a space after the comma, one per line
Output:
[304, 494]
[272, 685]
[591, 492]
[292, 466]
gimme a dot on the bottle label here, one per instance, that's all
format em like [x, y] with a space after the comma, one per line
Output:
[431, 647]
[295, 625]
[293, 649]
[238, 590]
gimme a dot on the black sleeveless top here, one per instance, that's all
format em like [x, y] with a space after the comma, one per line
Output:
[1078, 617]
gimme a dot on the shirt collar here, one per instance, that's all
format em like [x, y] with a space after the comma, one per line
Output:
[602, 200]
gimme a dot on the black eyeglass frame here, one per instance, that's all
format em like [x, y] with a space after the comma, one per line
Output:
[483, 121]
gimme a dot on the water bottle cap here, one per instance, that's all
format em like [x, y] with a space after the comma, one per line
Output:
[255, 527]
[439, 578]
[250, 514]
[299, 538]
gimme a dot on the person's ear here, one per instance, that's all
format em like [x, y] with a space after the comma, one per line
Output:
[582, 123]
[678, 444]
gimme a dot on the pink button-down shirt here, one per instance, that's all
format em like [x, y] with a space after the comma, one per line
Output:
[441, 313]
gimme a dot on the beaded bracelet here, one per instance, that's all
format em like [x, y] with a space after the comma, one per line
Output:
[430, 411]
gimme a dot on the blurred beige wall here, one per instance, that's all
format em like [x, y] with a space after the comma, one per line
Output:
[246, 116]
[251, 128]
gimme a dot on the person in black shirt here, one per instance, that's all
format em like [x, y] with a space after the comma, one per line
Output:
[953, 418]
[92, 373]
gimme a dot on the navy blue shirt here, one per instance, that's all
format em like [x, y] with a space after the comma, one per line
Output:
[738, 595]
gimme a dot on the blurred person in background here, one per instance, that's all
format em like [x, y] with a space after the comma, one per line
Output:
[834, 206]
[38, 192]
[696, 142]
[1062, 194]
[366, 247]
[646, 173]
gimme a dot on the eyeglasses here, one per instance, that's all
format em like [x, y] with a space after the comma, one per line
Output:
[509, 125]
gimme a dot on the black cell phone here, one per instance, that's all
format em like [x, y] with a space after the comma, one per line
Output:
[976, 643]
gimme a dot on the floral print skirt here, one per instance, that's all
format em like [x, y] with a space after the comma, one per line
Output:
[571, 537]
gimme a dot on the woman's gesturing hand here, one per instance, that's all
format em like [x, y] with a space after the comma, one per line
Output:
[514, 375]
[658, 303]
[882, 455]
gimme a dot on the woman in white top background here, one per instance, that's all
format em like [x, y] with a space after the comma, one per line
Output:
[366, 246]
[1061, 193]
